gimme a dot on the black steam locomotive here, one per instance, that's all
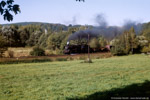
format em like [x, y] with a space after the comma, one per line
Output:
[74, 49]
[71, 49]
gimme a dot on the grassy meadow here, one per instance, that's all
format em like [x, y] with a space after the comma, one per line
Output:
[19, 52]
[116, 76]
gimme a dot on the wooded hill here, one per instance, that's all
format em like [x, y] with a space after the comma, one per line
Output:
[55, 36]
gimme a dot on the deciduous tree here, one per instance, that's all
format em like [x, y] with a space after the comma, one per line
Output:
[3, 46]
[7, 8]
[94, 43]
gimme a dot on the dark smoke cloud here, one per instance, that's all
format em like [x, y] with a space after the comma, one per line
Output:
[83, 34]
[100, 20]
[129, 23]
[109, 32]
[95, 32]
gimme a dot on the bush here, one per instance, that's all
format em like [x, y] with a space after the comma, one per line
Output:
[37, 51]
[49, 52]
[118, 49]
[145, 49]
[57, 51]
[2, 50]
[10, 53]
[94, 43]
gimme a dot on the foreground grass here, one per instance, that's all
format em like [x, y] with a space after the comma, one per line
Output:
[71, 79]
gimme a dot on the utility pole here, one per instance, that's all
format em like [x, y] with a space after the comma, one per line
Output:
[89, 60]
[88, 48]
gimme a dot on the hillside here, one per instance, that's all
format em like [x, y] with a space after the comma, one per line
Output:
[53, 26]
[108, 32]
[55, 36]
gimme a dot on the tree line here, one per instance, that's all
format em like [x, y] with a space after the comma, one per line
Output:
[55, 37]
[130, 43]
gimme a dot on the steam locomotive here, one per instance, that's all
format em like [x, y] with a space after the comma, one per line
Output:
[74, 49]
[71, 49]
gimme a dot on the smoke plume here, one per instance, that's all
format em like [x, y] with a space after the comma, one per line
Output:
[136, 25]
[100, 20]
[108, 32]
[83, 34]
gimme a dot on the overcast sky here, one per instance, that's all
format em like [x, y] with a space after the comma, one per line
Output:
[72, 12]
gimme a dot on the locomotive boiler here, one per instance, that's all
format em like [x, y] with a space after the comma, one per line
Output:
[77, 49]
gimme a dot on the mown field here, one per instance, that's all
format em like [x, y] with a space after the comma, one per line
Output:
[102, 79]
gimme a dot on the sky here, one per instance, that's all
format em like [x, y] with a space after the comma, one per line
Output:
[116, 12]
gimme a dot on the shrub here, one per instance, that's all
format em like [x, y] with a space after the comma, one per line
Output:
[49, 52]
[118, 48]
[2, 50]
[145, 49]
[94, 43]
[37, 51]
[58, 51]
[10, 53]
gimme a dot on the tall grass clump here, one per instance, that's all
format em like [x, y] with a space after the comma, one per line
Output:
[26, 61]
[61, 59]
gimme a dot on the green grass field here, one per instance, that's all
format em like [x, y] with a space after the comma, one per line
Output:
[76, 80]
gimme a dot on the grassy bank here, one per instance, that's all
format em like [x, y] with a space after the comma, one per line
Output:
[73, 79]
[36, 59]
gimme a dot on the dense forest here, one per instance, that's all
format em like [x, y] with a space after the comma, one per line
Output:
[124, 40]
